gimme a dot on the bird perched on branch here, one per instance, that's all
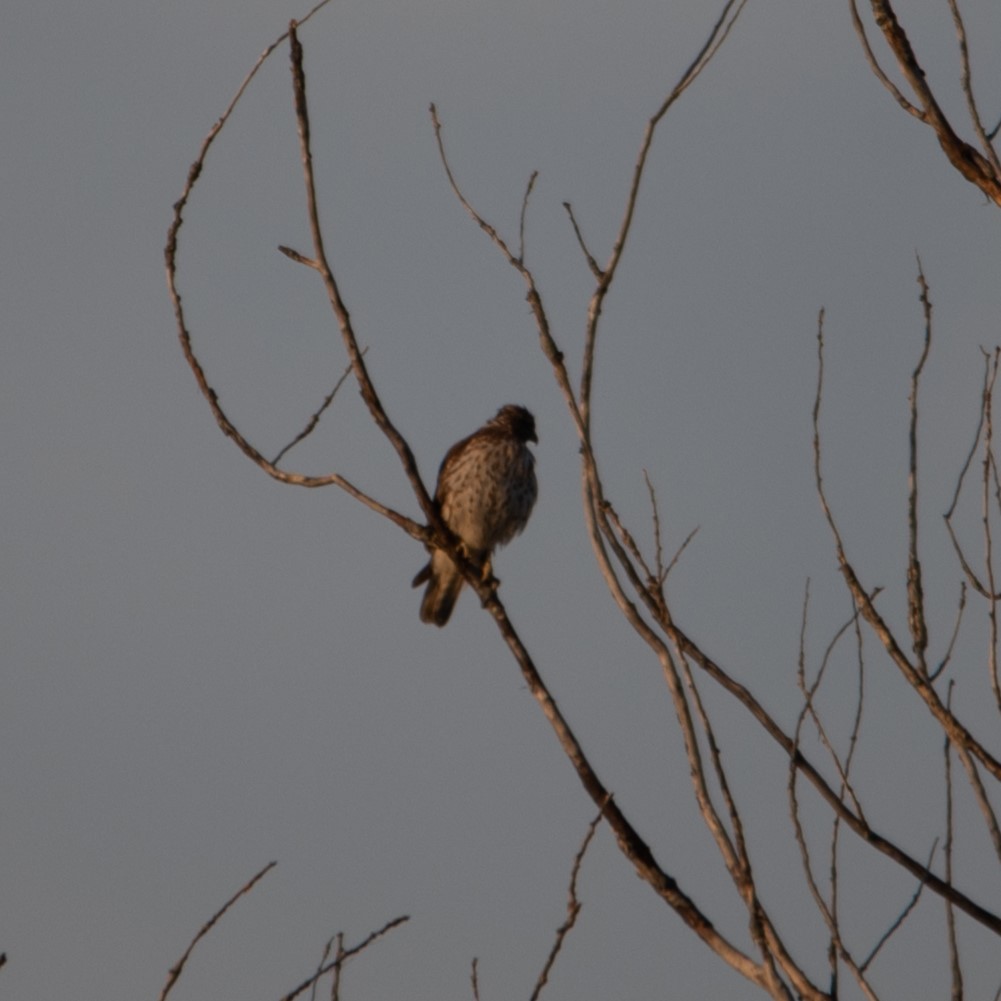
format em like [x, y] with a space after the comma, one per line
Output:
[485, 493]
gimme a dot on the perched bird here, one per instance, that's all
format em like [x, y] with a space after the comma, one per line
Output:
[485, 493]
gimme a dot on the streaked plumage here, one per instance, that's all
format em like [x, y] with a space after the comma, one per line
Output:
[486, 491]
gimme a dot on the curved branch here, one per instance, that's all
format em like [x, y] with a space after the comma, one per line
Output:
[983, 171]
[412, 528]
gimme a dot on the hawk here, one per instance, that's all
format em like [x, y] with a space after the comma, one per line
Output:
[485, 493]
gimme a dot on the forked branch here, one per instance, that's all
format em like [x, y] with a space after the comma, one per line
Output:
[980, 167]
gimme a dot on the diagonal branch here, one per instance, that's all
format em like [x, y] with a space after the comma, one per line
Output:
[343, 955]
[966, 82]
[314, 419]
[983, 171]
[178, 968]
[573, 910]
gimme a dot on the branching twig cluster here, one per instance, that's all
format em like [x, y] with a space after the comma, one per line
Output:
[326, 965]
[979, 762]
[637, 584]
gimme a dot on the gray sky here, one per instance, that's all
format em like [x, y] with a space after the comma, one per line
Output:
[204, 670]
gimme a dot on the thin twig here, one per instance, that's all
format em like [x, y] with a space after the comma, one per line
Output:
[992, 606]
[573, 909]
[323, 959]
[677, 556]
[591, 262]
[315, 418]
[876, 68]
[950, 914]
[178, 968]
[991, 368]
[734, 850]
[947, 656]
[657, 540]
[717, 36]
[628, 541]
[843, 766]
[916, 618]
[524, 211]
[837, 948]
[335, 980]
[475, 977]
[344, 955]
[902, 916]
[546, 341]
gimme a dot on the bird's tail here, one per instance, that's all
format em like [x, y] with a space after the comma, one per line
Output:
[444, 584]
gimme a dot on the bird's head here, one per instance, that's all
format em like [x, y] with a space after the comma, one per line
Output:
[516, 421]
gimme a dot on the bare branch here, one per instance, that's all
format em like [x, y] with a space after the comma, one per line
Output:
[974, 166]
[345, 954]
[809, 691]
[411, 527]
[874, 64]
[630, 843]
[476, 980]
[658, 543]
[903, 915]
[915, 592]
[178, 968]
[736, 856]
[628, 541]
[546, 341]
[339, 939]
[947, 656]
[591, 262]
[524, 210]
[991, 368]
[717, 36]
[971, 752]
[677, 556]
[315, 418]
[967, 84]
[950, 914]
[992, 606]
[837, 948]
[365, 384]
[918, 681]
[573, 909]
